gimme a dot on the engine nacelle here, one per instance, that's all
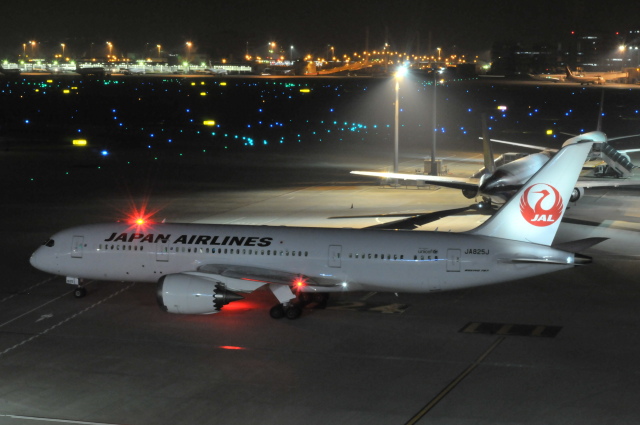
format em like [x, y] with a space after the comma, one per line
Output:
[576, 194]
[470, 193]
[188, 294]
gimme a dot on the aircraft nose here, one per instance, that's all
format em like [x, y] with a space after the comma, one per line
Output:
[39, 261]
[35, 259]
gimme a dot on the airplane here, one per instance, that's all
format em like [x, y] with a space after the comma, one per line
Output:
[200, 268]
[582, 79]
[594, 79]
[9, 72]
[498, 181]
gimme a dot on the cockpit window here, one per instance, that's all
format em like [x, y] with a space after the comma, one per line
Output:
[50, 243]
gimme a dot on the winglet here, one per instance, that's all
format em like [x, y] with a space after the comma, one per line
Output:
[534, 213]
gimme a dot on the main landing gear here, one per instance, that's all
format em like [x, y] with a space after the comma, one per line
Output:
[293, 309]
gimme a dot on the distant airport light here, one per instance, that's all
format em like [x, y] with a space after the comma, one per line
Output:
[204, 93]
[79, 142]
[210, 123]
[223, 83]
[502, 108]
[66, 91]
[549, 132]
[104, 153]
[305, 90]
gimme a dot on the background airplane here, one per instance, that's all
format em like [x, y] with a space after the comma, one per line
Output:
[201, 268]
[584, 79]
[498, 181]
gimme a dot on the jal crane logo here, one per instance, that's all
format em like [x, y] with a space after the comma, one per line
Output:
[547, 206]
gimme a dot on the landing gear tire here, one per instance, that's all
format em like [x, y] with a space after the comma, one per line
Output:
[277, 311]
[79, 292]
[293, 312]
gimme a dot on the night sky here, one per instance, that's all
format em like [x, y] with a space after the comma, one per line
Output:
[225, 27]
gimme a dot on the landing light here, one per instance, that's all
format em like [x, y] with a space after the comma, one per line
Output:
[502, 108]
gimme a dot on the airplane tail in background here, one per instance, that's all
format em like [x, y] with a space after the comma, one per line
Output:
[568, 71]
[489, 164]
[534, 213]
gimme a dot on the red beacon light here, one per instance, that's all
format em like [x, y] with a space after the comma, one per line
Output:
[299, 283]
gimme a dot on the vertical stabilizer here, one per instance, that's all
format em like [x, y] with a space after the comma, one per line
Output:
[489, 164]
[568, 71]
[534, 213]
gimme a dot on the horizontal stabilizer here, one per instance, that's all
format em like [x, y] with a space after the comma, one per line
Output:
[452, 182]
[579, 245]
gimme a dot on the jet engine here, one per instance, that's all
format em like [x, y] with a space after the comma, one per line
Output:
[189, 294]
[470, 193]
[576, 194]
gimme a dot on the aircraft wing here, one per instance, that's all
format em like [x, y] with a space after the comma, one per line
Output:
[452, 182]
[254, 275]
[602, 182]
[524, 145]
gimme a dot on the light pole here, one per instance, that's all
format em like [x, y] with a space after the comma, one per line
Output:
[189, 44]
[110, 46]
[159, 46]
[63, 46]
[24, 50]
[434, 170]
[398, 76]
[291, 54]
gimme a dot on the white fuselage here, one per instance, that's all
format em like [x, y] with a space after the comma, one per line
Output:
[345, 259]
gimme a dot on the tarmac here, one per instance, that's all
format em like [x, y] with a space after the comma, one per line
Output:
[561, 348]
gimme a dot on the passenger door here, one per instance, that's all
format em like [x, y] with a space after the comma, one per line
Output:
[453, 260]
[335, 252]
[77, 243]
